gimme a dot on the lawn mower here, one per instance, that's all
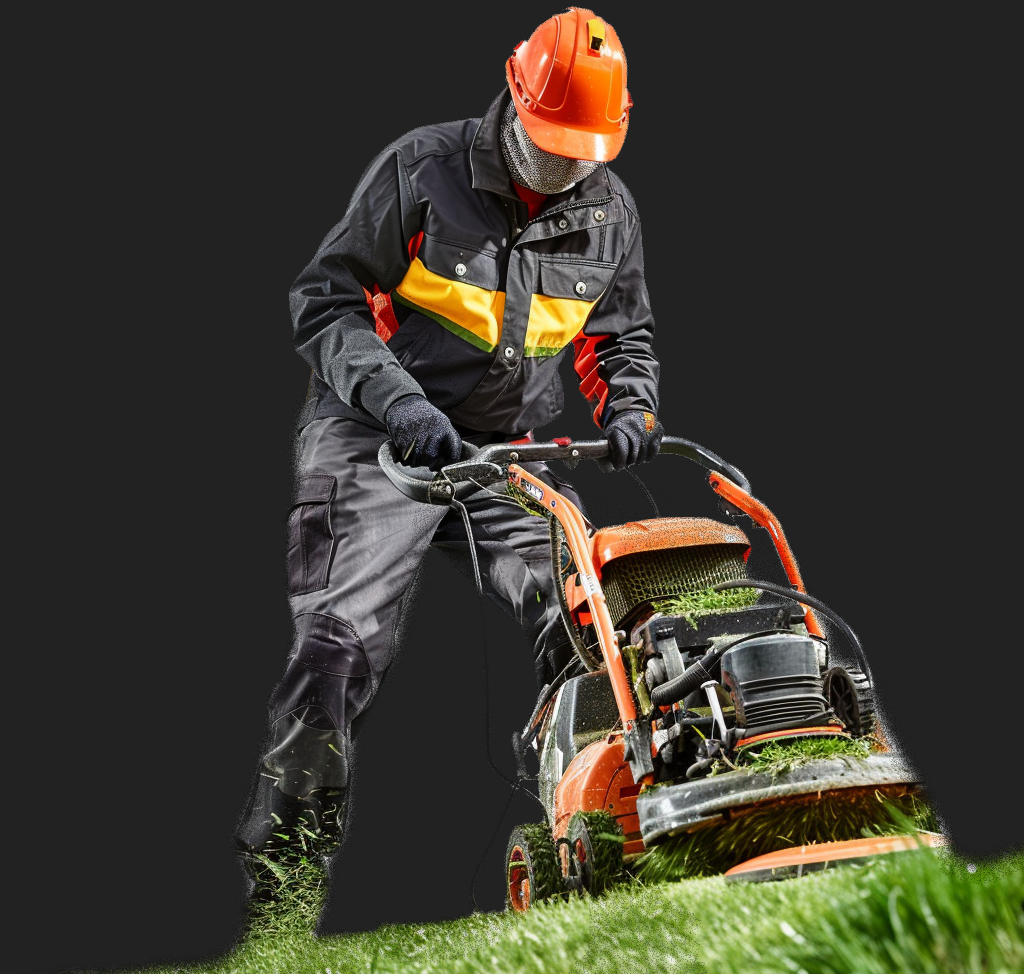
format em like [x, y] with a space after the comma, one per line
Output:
[705, 726]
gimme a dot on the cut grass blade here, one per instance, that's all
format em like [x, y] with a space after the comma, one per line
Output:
[692, 605]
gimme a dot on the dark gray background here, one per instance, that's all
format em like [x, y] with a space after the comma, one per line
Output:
[821, 204]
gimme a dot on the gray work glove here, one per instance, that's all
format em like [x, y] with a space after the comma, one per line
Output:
[634, 436]
[423, 434]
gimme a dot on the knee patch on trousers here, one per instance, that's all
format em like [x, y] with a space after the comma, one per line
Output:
[328, 678]
[330, 645]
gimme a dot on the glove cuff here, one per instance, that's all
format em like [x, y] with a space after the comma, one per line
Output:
[379, 393]
[650, 418]
[402, 398]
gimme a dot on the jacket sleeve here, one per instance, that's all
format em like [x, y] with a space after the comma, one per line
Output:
[333, 326]
[613, 354]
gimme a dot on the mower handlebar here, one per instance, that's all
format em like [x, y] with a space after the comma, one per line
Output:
[480, 466]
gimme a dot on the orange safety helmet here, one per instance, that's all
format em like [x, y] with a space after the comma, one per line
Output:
[568, 83]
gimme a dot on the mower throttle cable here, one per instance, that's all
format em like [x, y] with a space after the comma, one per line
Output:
[522, 777]
[645, 490]
[480, 592]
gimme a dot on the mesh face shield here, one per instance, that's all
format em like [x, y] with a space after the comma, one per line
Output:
[541, 171]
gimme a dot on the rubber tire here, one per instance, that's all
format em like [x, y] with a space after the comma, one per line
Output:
[848, 692]
[598, 860]
[530, 860]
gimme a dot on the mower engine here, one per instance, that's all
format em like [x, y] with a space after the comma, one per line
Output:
[725, 678]
[718, 674]
[708, 669]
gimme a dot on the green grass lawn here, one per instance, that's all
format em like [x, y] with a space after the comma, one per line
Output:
[922, 911]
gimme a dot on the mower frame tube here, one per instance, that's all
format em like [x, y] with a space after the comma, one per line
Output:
[637, 743]
[736, 496]
[575, 528]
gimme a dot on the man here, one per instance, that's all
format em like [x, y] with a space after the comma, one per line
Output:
[471, 255]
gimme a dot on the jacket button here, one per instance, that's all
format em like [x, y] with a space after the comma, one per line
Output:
[509, 351]
[599, 215]
[581, 287]
[563, 223]
[460, 269]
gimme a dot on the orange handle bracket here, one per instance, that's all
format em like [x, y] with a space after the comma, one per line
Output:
[761, 515]
[574, 525]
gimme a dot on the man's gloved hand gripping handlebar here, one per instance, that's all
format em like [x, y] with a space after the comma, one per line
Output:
[425, 437]
[634, 436]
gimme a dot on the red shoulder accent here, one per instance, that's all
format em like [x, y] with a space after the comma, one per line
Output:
[593, 387]
[380, 303]
[383, 314]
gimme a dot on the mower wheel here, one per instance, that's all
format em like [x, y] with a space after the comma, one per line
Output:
[595, 852]
[532, 870]
[848, 692]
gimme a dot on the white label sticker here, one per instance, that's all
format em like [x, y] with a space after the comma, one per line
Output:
[532, 489]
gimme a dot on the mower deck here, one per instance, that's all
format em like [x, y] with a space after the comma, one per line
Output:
[668, 810]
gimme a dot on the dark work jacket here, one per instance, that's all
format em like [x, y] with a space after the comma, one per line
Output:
[436, 282]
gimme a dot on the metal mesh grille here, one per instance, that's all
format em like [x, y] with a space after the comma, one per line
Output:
[633, 579]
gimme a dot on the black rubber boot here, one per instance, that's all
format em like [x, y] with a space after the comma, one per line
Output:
[286, 859]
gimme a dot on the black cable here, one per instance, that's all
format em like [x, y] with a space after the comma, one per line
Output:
[468, 525]
[483, 636]
[646, 491]
[556, 536]
[490, 841]
[521, 779]
[804, 599]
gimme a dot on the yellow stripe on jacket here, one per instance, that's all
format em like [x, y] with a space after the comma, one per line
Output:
[474, 313]
[471, 312]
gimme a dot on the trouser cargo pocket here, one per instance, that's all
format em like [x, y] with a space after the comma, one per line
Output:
[310, 538]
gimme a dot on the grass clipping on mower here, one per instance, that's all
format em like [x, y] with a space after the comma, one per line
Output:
[850, 813]
[692, 605]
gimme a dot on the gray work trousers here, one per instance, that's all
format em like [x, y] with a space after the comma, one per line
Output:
[355, 546]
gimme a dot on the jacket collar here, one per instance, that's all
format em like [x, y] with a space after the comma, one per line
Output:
[491, 173]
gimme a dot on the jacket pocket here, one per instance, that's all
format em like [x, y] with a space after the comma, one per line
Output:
[310, 538]
[573, 279]
[459, 262]
[563, 300]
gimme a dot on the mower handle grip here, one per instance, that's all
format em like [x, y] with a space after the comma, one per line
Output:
[438, 487]
[480, 466]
